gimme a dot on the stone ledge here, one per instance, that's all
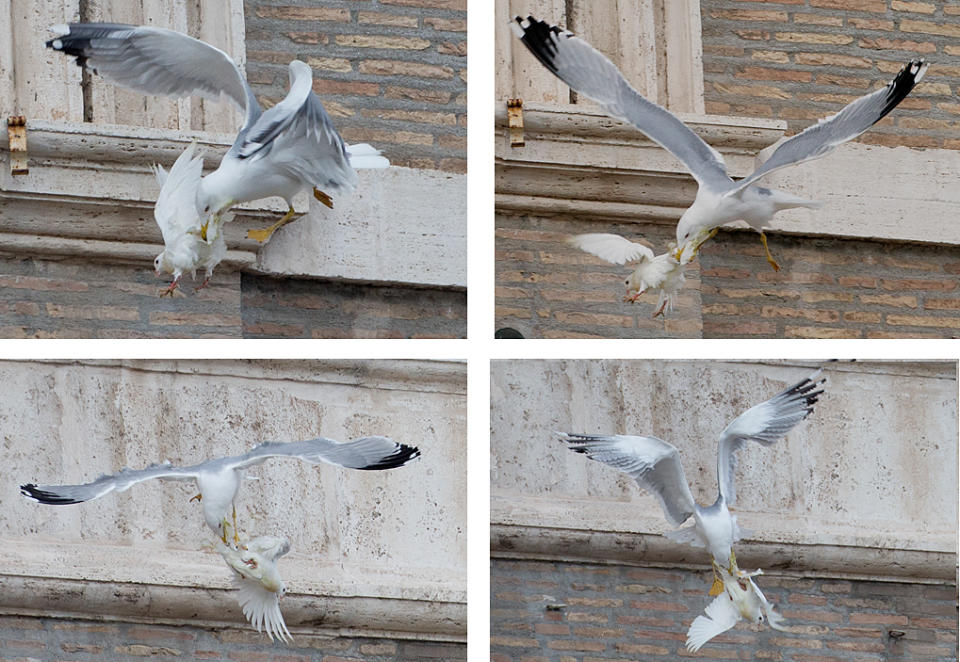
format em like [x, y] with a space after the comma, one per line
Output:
[588, 165]
[541, 528]
[94, 182]
[129, 584]
[421, 376]
[565, 144]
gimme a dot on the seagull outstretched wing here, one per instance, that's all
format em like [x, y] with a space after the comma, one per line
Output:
[589, 72]
[764, 423]
[652, 462]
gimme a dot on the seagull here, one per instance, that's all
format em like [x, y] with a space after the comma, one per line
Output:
[257, 580]
[291, 147]
[219, 479]
[663, 273]
[720, 200]
[740, 600]
[655, 465]
[180, 224]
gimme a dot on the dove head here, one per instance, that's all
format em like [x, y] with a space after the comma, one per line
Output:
[162, 265]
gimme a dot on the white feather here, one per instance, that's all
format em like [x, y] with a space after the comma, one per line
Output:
[611, 247]
[366, 156]
[721, 615]
[258, 582]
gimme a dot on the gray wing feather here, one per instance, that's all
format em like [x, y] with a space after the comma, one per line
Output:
[369, 453]
[855, 118]
[60, 495]
[589, 72]
[299, 138]
[764, 423]
[652, 462]
[157, 61]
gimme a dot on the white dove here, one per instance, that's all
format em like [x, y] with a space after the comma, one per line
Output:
[662, 273]
[185, 247]
[740, 600]
[258, 582]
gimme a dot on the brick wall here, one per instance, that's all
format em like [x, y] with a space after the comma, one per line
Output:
[827, 288]
[320, 308]
[802, 60]
[77, 299]
[633, 613]
[547, 289]
[390, 72]
[50, 639]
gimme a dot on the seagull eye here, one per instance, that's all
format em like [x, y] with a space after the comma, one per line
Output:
[206, 209]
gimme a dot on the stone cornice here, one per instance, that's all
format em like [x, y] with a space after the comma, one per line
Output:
[422, 376]
[593, 167]
[194, 587]
[603, 531]
[557, 171]
[93, 184]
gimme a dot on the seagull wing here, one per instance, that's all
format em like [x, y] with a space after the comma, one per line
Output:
[175, 211]
[611, 247]
[858, 116]
[156, 61]
[61, 495]
[261, 607]
[764, 423]
[653, 463]
[369, 453]
[721, 615]
[299, 138]
[589, 72]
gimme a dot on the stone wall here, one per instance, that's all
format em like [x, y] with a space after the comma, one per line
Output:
[802, 60]
[392, 73]
[357, 565]
[842, 512]
[623, 612]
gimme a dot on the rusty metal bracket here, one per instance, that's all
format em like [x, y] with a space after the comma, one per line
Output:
[17, 137]
[515, 122]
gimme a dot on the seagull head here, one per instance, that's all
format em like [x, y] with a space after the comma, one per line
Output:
[213, 196]
[689, 242]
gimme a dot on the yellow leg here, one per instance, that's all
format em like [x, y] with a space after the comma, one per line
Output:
[263, 235]
[773, 263]
[733, 562]
[198, 498]
[223, 530]
[717, 587]
[322, 197]
[236, 538]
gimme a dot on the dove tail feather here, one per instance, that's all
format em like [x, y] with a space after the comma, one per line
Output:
[262, 609]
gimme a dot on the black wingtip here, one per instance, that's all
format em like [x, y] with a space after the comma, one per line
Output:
[49, 498]
[904, 82]
[540, 38]
[401, 456]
